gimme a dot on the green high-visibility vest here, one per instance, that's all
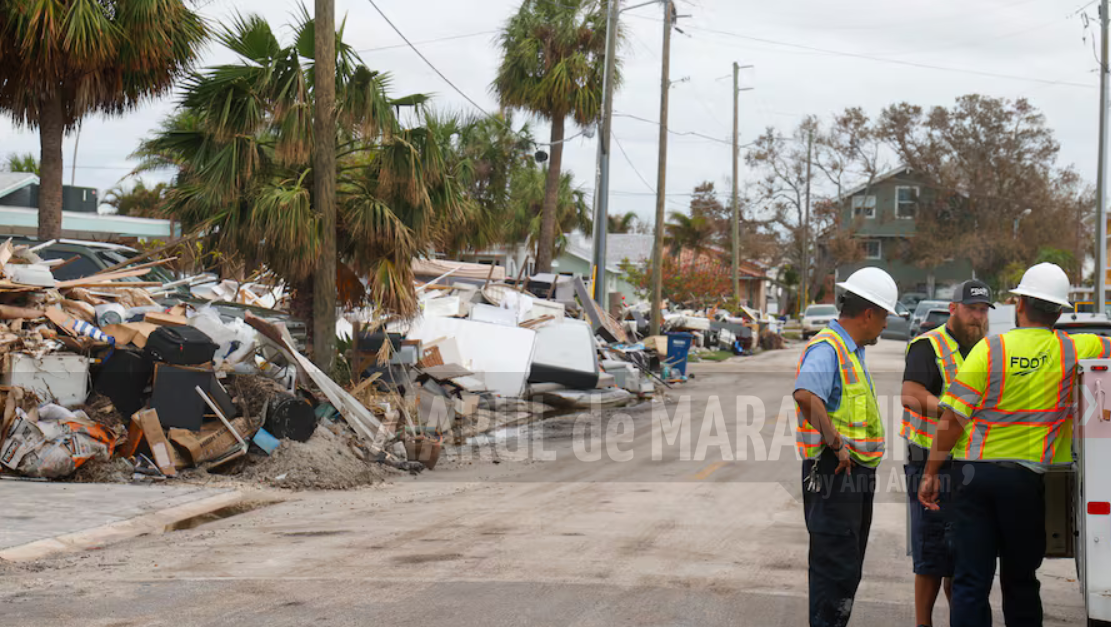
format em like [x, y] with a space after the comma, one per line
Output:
[857, 418]
[917, 428]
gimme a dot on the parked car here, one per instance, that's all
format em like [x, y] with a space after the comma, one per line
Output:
[935, 318]
[898, 324]
[1084, 323]
[917, 326]
[816, 318]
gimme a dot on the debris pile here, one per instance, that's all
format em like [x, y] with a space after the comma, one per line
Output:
[110, 377]
[102, 381]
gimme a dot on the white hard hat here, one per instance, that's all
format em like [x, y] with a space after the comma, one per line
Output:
[873, 285]
[1045, 281]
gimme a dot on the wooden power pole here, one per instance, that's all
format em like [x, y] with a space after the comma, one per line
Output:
[806, 229]
[324, 186]
[661, 175]
[736, 230]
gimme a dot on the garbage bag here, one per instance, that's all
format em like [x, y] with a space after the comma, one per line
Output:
[56, 445]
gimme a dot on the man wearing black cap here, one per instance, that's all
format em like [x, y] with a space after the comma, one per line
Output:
[932, 361]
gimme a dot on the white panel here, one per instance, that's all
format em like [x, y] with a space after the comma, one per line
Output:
[503, 355]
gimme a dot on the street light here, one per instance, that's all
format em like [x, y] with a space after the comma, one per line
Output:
[1019, 219]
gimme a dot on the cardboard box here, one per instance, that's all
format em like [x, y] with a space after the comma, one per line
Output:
[135, 333]
[159, 446]
[213, 442]
[166, 319]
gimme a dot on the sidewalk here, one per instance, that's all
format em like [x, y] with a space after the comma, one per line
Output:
[45, 518]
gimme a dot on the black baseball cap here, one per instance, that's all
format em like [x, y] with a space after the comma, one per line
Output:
[973, 292]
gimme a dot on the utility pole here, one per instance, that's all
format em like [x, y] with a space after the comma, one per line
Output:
[736, 198]
[324, 185]
[602, 175]
[806, 228]
[1101, 180]
[736, 230]
[661, 175]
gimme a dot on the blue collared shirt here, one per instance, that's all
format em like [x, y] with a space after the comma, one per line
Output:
[818, 373]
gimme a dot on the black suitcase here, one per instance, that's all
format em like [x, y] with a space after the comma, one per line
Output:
[124, 378]
[180, 346]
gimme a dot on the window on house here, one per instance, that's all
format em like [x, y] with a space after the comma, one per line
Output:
[864, 206]
[872, 249]
[906, 202]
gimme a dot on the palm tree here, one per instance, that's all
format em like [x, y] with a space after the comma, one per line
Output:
[527, 197]
[140, 201]
[690, 233]
[552, 66]
[483, 154]
[242, 144]
[61, 60]
[23, 163]
[621, 224]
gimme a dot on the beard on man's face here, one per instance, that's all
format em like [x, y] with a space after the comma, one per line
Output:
[969, 333]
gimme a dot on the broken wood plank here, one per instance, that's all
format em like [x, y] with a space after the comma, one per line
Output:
[103, 278]
[7, 312]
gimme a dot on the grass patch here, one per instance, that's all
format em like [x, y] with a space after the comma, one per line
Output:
[716, 356]
[793, 335]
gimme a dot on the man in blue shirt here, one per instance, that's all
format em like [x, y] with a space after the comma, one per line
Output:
[842, 444]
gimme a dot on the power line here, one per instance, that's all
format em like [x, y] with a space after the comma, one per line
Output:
[630, 162]
[891, 61]
[867, 57]
[430, 41]
[436, 70]
[673, 132]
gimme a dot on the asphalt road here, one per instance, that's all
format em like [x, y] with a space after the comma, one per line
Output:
[620, 528]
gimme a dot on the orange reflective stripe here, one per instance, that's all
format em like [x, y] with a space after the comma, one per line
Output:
[1002, 369]
[843, 354]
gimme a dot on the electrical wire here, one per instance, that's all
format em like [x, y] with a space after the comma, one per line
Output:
[435, 69]
[617, 140]
[431, 41]
[887, 60]
[674, 132]
[877, 59]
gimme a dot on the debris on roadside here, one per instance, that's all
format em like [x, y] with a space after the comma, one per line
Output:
[104, 380]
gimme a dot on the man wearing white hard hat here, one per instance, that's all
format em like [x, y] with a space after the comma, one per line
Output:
[1006, 420]
[841, 439]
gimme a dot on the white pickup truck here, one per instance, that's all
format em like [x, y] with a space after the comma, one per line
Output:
[1078, 499]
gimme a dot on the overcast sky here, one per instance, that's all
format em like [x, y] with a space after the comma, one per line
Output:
[810, 57]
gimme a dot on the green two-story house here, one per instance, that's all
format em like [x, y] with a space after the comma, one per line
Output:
[881, 215]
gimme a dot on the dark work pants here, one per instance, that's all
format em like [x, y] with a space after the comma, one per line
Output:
[998, 511]
[838, 519]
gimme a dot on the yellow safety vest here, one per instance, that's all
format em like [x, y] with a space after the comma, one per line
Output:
[918, 429]
[1025, 414]
[857, 418]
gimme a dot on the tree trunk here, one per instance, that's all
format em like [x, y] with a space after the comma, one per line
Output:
[52, 129]
[324, 187]
[300, 308]
[546, 246]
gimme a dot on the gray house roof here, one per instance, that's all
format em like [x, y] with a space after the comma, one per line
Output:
[12, 181]
[635, 247]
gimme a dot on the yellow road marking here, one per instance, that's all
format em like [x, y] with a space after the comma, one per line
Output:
[708, 470]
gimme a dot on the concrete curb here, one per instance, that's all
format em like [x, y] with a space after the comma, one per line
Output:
[154, 522]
